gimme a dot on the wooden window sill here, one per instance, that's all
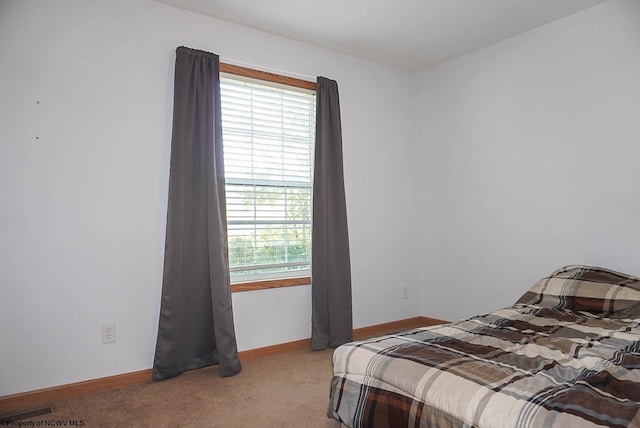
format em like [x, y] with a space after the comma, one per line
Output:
[271, 283]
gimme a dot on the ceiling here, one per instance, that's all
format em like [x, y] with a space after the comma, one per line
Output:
[410, 35]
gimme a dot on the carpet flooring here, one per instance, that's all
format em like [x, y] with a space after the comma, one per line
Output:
[287, 390]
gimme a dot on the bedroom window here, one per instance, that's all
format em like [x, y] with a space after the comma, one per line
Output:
[268, 133]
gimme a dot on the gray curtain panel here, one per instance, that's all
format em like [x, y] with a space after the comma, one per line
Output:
[332, 323]
[196, 319]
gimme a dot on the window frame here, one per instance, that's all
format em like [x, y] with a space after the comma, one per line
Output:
[284, 80]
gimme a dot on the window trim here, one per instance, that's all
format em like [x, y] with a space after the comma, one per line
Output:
[265, 75]
[285, 80]
[270, 283]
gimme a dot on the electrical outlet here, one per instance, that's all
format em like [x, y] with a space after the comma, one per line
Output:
[405, 291]
[109, 333]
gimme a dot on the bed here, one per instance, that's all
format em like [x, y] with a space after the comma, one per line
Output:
[566, 354]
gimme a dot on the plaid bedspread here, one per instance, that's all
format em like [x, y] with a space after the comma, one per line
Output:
[551, 360]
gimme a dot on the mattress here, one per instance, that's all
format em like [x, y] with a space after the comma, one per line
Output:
[566, 354]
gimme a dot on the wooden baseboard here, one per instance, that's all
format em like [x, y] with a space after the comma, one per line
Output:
[14, 403]
[27, 400]
[268, 351]
[358, 334]
[394, 327]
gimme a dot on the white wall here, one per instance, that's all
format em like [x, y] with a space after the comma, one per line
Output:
[85, 122]
[528, 154]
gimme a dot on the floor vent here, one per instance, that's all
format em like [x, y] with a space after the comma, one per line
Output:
[8, 420]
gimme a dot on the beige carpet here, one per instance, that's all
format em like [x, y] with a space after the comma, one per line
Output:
[288, 390]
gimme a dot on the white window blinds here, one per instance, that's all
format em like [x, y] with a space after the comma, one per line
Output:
[268, 135]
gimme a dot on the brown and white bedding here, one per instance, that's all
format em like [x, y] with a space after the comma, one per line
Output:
[566, 354]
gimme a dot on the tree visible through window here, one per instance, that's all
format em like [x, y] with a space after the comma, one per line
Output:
[268, 134]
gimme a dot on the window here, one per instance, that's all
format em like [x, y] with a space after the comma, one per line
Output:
[268, 133]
